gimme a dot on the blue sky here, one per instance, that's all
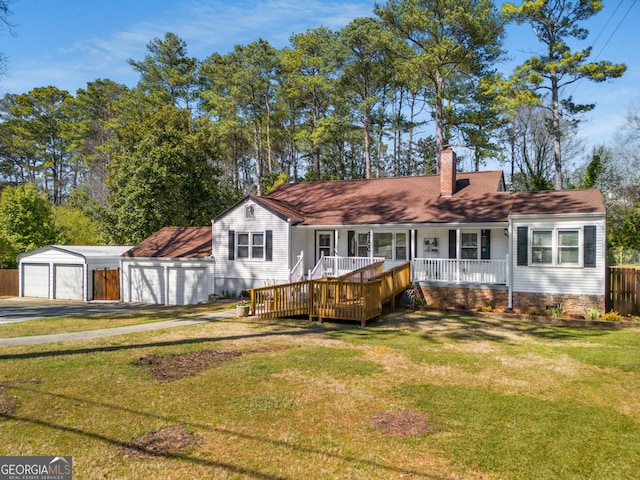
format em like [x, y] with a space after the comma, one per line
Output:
[69, 43]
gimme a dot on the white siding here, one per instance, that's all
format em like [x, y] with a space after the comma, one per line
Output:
[166, 281]
[556, 278]
[236, 275]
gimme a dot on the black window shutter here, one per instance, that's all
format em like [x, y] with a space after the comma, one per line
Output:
[232, 245]
[523, 245]
[485, 244]
[590, 246]
[453, 248]
[351, 234]
[268, 250]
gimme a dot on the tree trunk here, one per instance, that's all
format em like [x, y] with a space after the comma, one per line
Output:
[439, 117]
[367, 143]
[557, 133]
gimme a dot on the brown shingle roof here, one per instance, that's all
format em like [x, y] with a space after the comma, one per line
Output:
[410, 200]
[396, 200]
[556, 202]
[175, 242]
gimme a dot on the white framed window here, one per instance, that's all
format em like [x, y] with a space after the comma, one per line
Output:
[242, 245]
[249, 212]
[250, 245]
[555, 246]
[257, 245]
[390, 245]
[542, 246]
[568, 247]
[469, 245]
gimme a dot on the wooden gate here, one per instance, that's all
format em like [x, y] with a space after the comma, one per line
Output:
[8, 283]
[106, 284]
[623, 284]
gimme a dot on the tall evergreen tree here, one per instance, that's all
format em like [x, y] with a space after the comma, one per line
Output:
[448, 39]
[554, 22]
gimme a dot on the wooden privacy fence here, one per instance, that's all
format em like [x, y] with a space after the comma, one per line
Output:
[623, 295]
[106, 284]
[333, 298]
[8, 283]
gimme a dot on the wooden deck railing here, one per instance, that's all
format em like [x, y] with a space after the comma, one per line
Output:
[394, 282]
[333, 298]
[363, 274]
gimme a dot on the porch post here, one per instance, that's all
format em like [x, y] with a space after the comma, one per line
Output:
[458, 250]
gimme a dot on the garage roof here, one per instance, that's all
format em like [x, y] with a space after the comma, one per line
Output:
[86, 251]
[174, 242]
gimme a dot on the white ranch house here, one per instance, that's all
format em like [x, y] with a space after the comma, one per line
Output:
[470, 242]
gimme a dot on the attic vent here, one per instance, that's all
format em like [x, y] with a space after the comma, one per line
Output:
[249, 212]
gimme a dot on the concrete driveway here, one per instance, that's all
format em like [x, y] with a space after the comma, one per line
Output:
[16, 309]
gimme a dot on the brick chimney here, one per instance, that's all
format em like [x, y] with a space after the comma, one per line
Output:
[447, 173]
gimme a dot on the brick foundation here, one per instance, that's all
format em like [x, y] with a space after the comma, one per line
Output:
[465, 298]
[573, 304]
[497, 297]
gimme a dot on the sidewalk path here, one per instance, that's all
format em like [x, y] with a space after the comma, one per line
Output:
[108, 332]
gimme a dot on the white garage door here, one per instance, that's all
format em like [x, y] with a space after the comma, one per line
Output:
[147, 285]
[187, 286]
[35, 281]
[68, 282]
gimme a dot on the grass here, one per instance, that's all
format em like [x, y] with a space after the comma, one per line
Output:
[44, 326]
[507, 399]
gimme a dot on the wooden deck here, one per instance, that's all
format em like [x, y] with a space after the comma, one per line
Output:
[356, 296]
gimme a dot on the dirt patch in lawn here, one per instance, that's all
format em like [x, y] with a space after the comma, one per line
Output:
[8, 405]
[168, 441]
[402, 422]
[165, 368]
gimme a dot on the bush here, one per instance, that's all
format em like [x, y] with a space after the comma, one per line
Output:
[558, 310]
[592, 314]
[612, 316]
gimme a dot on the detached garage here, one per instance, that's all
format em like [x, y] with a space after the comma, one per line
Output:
[65, 272]
[172, 267]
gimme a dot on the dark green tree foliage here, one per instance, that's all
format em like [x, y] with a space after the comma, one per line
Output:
[36, 126]
[161, 172]
[90, 133]
[448, 40]
[309, 73]
[26, 222]
[365, 74]
[239, 89]
[167, 71]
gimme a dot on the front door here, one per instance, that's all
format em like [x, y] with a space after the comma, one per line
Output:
[324, 244]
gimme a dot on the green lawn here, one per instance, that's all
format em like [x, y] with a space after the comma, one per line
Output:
[45, 326]
[292, 399]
